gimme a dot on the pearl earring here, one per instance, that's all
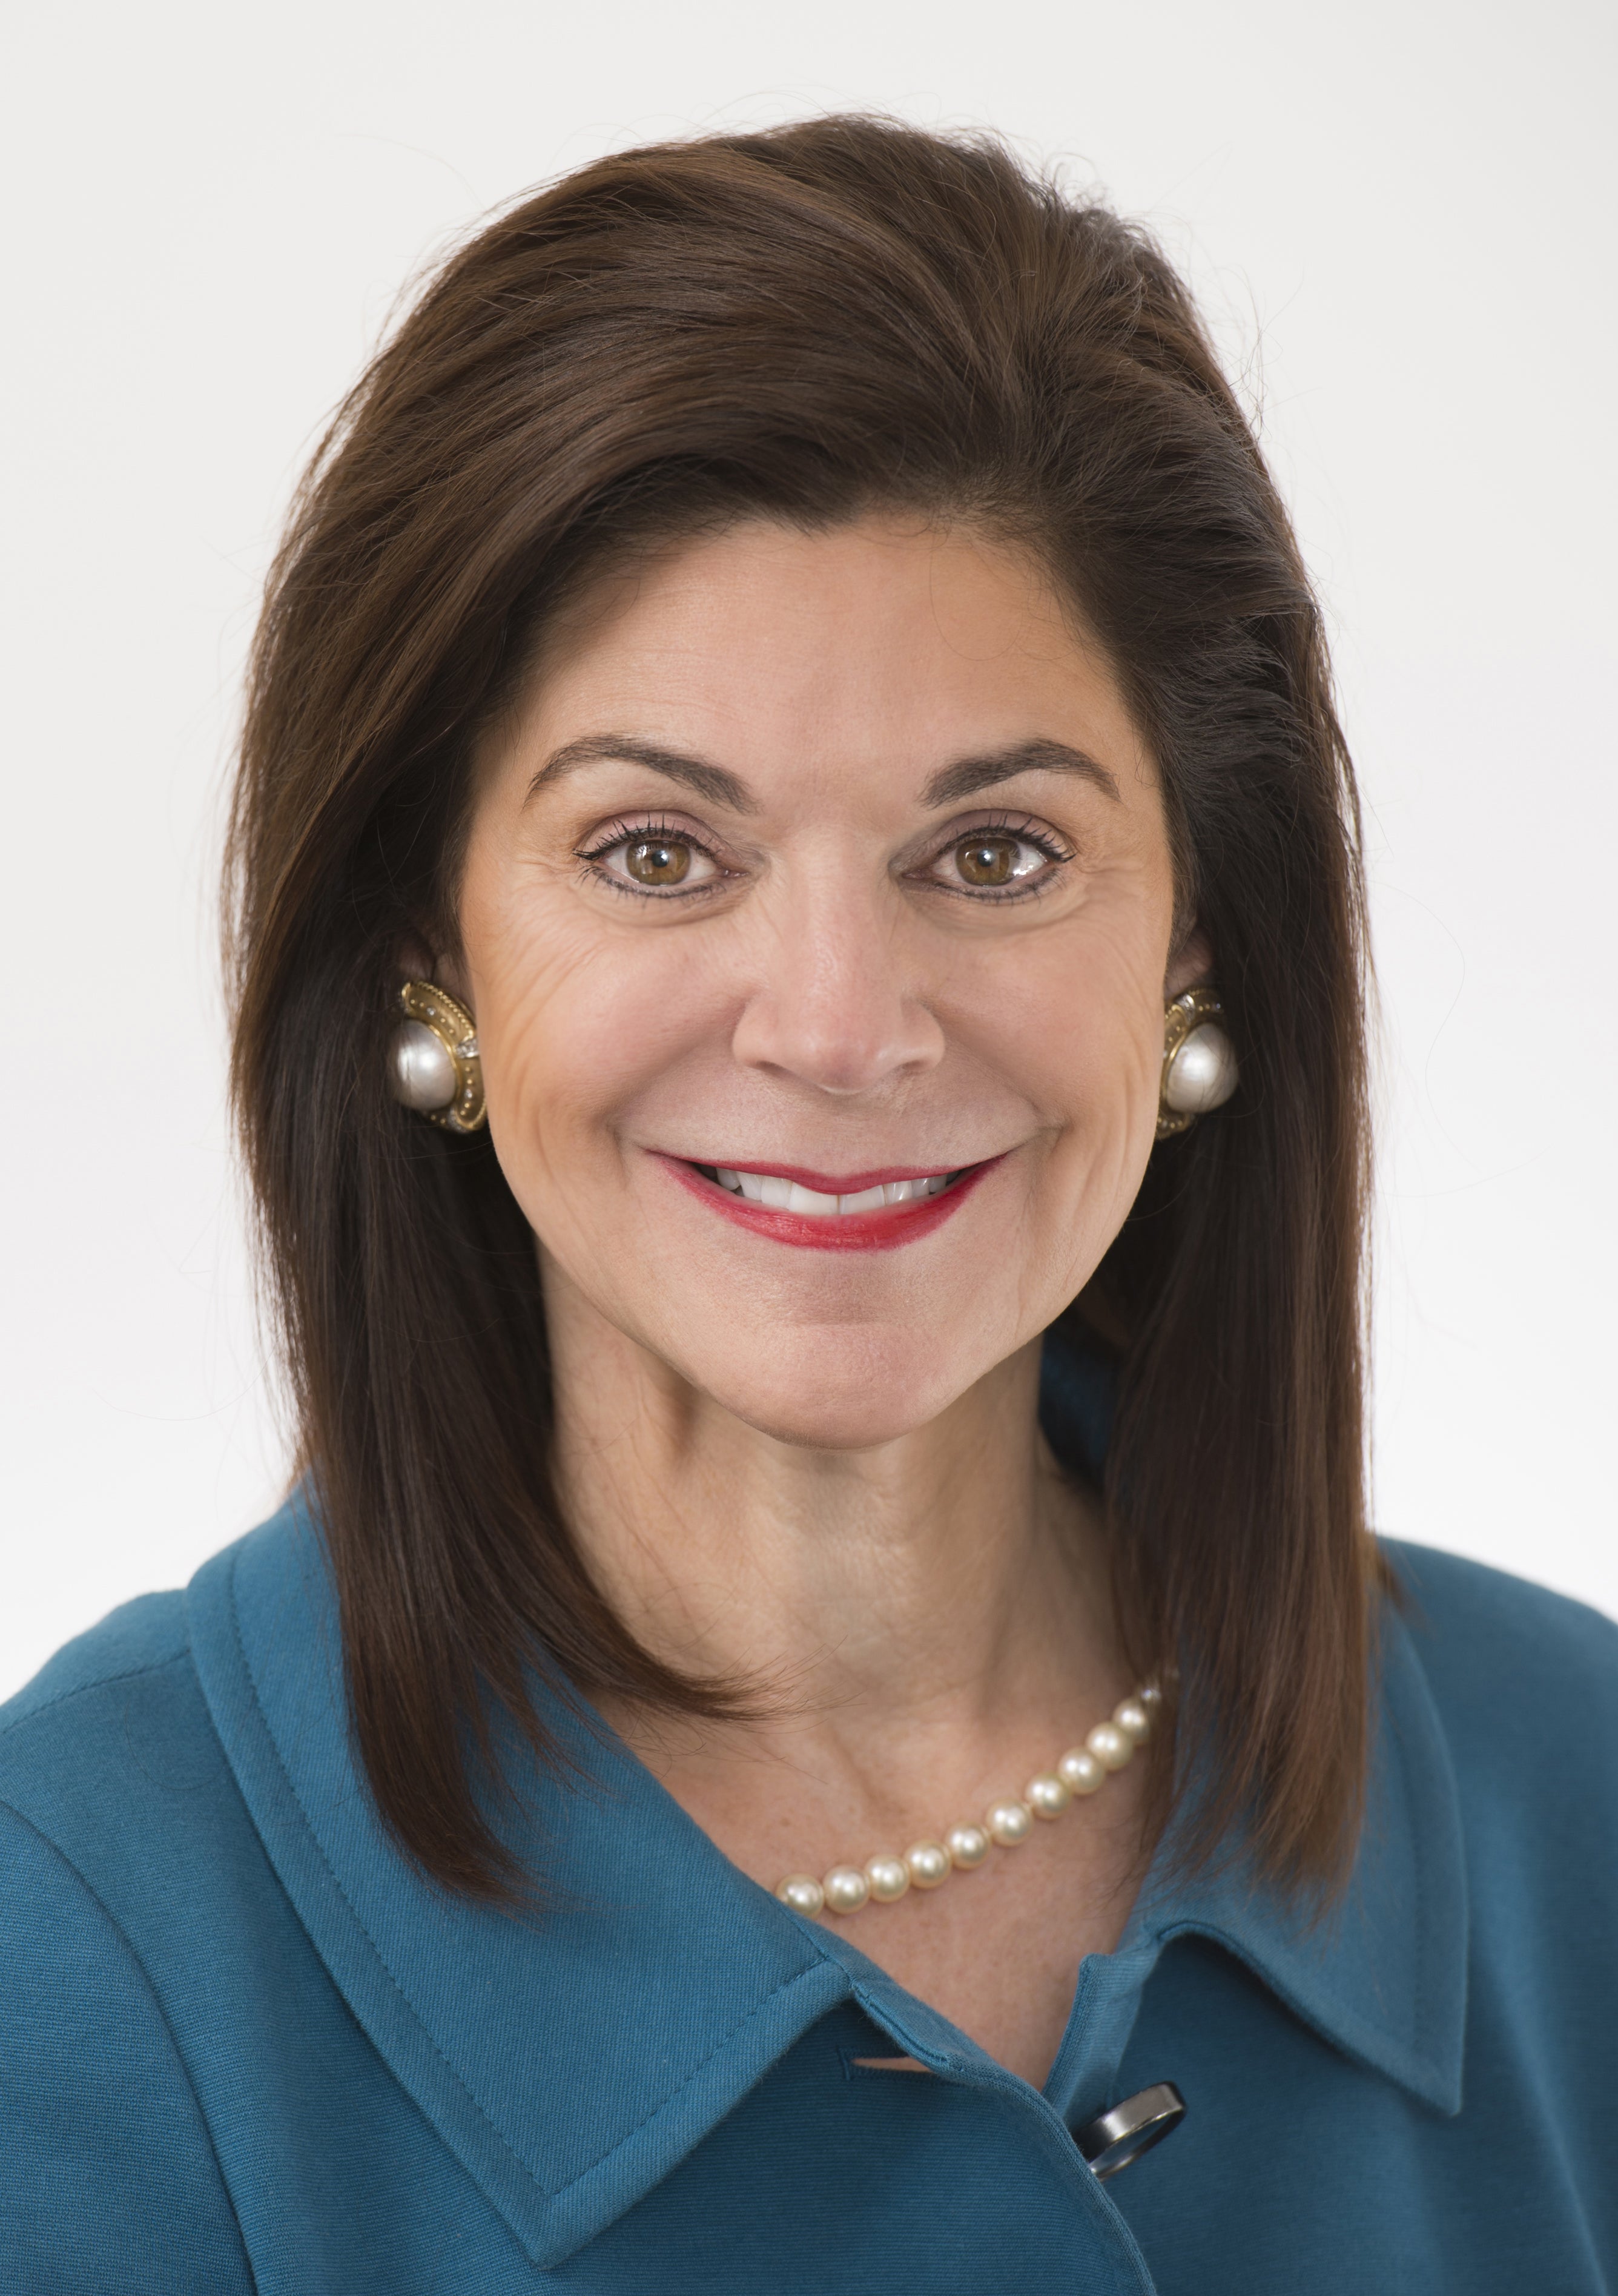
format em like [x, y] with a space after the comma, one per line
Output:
[1199, 1071]
[433, 1059]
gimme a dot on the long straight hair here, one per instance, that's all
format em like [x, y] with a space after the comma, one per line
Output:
[807, 324]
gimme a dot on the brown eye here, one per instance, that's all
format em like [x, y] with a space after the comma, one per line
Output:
[996, 859]
[987, 860]
[658, 860]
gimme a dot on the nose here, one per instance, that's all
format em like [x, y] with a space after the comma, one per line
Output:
[832, 1004]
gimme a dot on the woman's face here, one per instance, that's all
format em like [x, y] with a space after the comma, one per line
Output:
[816, 916]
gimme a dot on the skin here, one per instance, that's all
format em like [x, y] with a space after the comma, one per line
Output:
[815, 1471]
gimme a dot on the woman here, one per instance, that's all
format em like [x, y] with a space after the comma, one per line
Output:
[797, 936]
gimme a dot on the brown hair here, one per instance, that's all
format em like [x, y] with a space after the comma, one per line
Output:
[807, 323]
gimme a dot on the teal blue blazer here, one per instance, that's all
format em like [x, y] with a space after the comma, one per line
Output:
[245, 2047]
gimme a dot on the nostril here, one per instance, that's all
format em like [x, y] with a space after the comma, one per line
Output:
[844, 1039]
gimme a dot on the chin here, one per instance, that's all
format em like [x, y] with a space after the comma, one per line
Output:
[827, 1389]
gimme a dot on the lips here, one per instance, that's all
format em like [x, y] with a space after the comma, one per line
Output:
[778, 1193]
[855, 1211]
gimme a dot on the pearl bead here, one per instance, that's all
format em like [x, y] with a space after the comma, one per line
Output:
[968, 1845]
[424, 1075]
[929, 1865]
[1079, 1770]
[1046, 1795]
[1109, 1746]
[1008, 1821]
[846, 1888]
[888, 1879]
[1203, 1073]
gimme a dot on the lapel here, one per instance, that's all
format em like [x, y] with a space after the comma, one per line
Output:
[570, 2058]
[1383, 1975]
[650, 1995]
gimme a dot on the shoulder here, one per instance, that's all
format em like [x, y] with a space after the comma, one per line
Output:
[1525, 1682]
[110, 1791]
[111, 1756]
[110, 1707]
[133, 1640]
[112, 1759]
[1485, 1632]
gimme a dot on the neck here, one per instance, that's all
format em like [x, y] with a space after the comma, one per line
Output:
[951, 1580]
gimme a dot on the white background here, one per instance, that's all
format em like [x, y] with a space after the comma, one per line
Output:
[1400, 217]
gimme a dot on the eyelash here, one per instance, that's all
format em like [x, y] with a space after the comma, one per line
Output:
[625, 833]
[1026, 833]
[633, 832]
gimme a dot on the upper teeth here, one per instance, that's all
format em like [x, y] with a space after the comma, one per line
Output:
[781, 1195]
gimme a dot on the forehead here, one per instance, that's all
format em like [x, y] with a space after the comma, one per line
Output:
[877, 647]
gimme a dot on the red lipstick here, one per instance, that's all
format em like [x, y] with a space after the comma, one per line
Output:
[877, 1230]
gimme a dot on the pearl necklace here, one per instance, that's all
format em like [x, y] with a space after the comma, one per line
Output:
[925, 1865]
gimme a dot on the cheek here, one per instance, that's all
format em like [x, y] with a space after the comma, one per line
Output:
[1105, 1134]
[1080, 1027]
[578, 1023]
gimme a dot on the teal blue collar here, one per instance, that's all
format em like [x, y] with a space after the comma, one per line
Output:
[570, 2060]
[1382, 1977]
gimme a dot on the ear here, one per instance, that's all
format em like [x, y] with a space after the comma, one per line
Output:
[1190, 964]
[415, 957]
[418, 962]
[450, 972]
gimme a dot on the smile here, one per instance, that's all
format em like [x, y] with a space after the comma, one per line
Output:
[783, 1195]
[857, 1212]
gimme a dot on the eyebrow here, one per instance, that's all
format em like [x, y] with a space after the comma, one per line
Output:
[710, 781]
[968, 775]
[963, 779]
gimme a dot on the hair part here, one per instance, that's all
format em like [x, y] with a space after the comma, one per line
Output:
[807, 324]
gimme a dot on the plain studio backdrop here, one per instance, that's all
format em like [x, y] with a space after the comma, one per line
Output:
[1400, 218]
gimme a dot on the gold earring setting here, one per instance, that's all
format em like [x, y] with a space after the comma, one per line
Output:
[1199, 1070]
[436, 1070]
[433, 1059]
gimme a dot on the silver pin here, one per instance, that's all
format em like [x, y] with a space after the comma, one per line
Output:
[1125, 2131]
